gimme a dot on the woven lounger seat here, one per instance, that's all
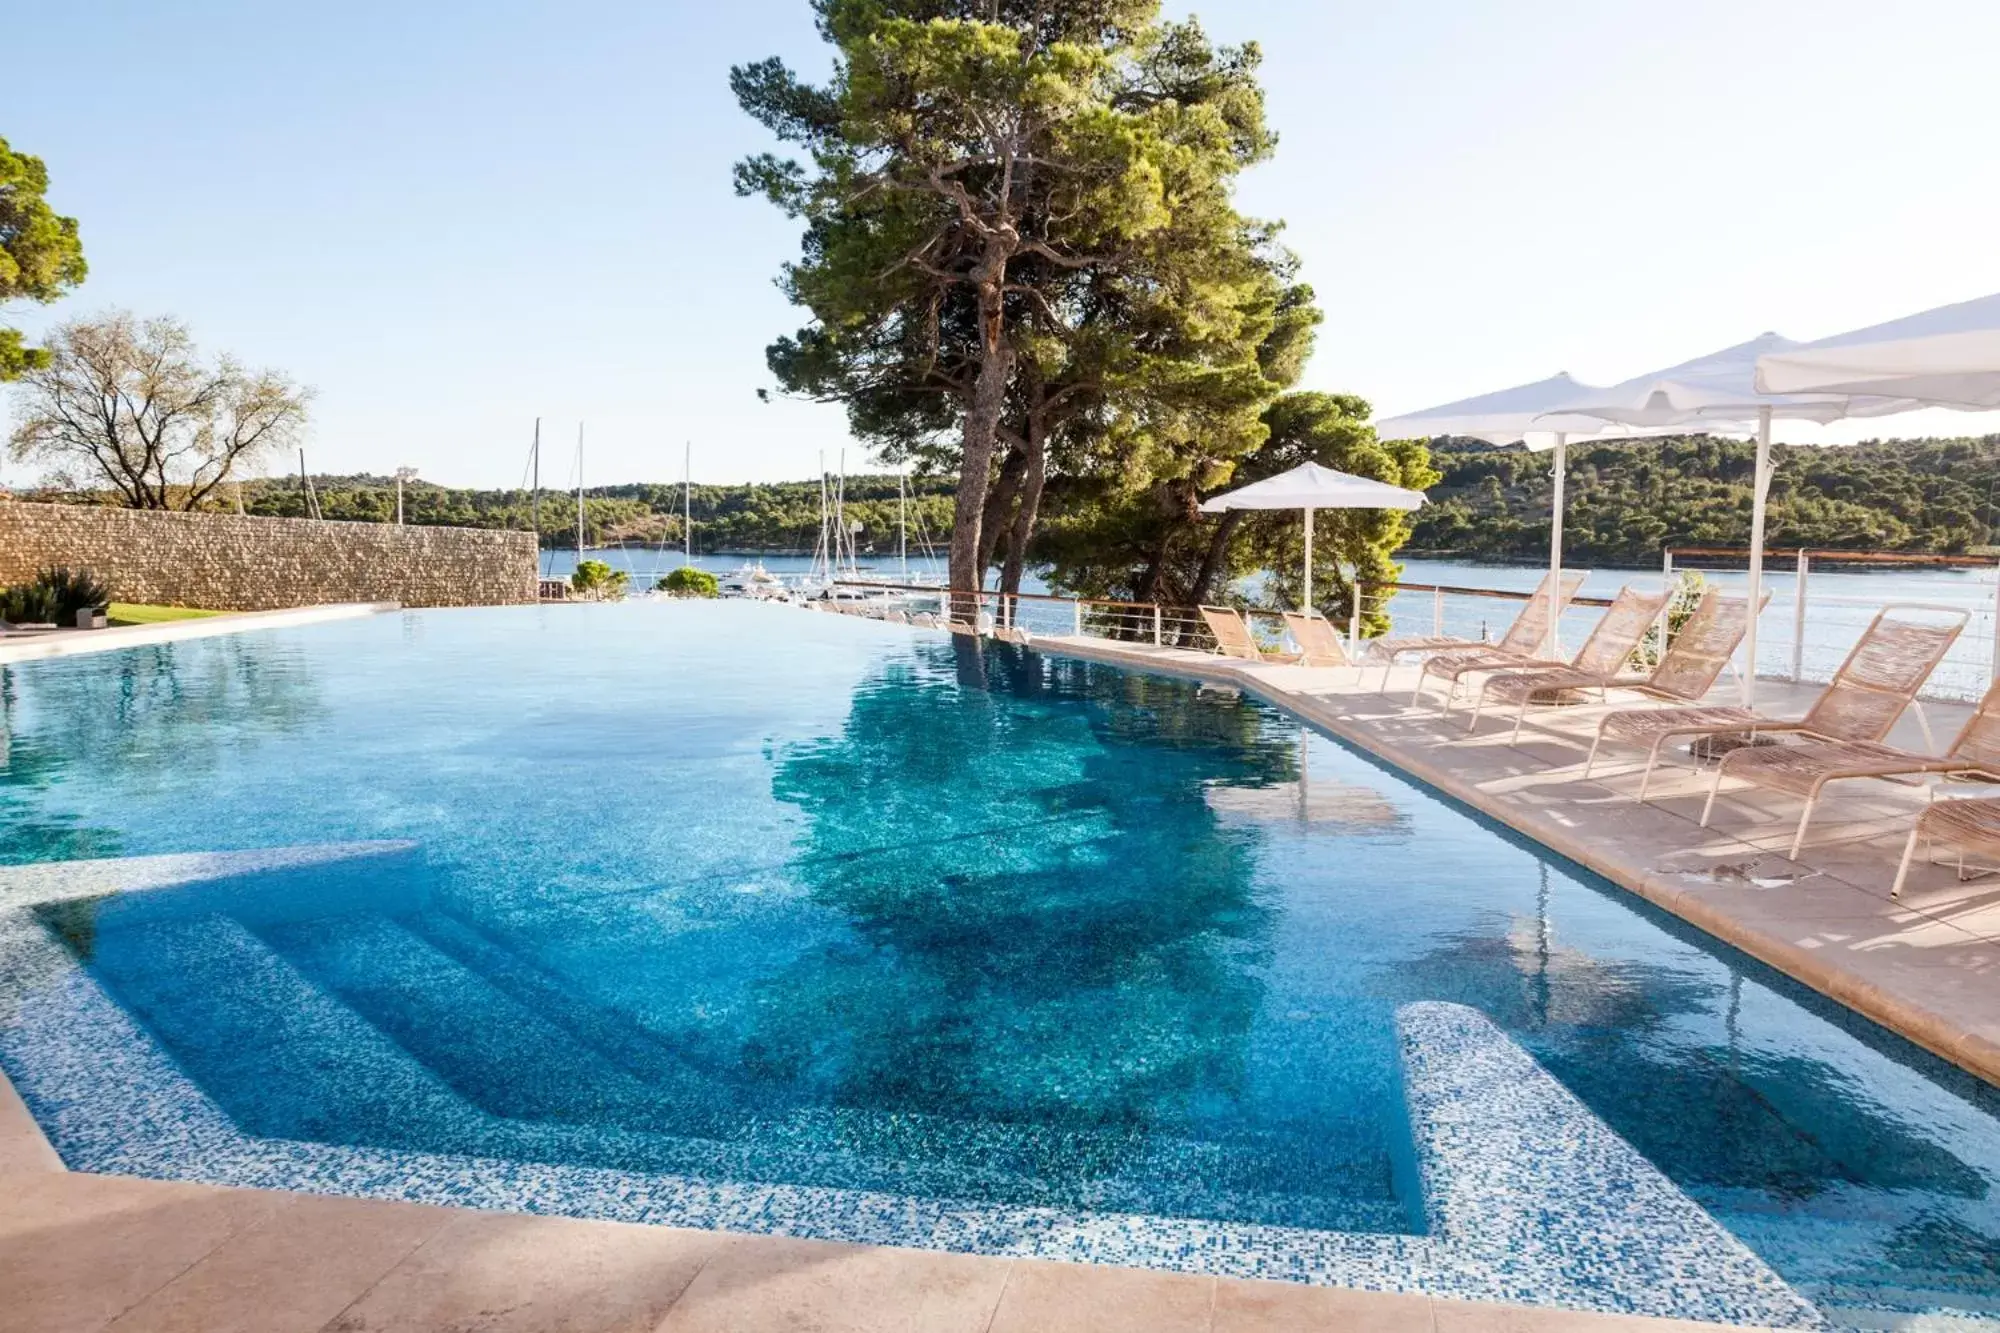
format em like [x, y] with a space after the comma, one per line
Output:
[1805, 768]
[1234, 639]
[1319, 643]
[1645, 725]
[1603, 655]
[1970, 824]
[1464, 662]
[1685, 672]
[1533, 687]
[1520, 643]
[1800, 769]
[1879, 679]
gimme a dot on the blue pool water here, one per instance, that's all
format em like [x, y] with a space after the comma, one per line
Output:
[746, 893]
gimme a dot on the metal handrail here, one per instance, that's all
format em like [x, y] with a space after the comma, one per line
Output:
[1183, 626]
[1835, 555]
[1503, 594]
[984, 592]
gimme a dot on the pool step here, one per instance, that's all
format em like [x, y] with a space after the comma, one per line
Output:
[1273, 1178]
[503, 1056]
[281, 1057]
[1276, 1178]
[616, 1037]
[508, 1037]
[356, 1031]
[1132, 1169]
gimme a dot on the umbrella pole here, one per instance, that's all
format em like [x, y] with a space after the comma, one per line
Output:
[1759, 492]
[1554, 646]
[1307, 608]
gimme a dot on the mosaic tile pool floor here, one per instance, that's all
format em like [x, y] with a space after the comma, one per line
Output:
[894, 936]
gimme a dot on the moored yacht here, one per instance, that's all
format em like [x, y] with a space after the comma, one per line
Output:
[753, 580]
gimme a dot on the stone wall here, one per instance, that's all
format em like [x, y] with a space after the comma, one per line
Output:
[227, 563]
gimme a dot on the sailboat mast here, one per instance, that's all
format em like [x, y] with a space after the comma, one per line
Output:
[535, 495]
[687, 507]
[902, 528]
[820, 548]
[579, 493]
[842, 538]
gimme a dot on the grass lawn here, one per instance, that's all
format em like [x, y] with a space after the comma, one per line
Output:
[126, 613]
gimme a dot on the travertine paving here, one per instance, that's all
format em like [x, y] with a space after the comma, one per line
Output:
[80, 1253]
[1926, 966]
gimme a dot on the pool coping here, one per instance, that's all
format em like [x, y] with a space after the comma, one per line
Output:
[1941, 1031]
[77, 643]
[90, 1251]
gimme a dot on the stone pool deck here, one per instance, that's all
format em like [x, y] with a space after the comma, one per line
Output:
[1926, 966]
[82, 1252]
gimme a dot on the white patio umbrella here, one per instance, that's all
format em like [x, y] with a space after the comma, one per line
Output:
[1308, 487]
[1521, 414]
[1720, 390]
[1947, 357]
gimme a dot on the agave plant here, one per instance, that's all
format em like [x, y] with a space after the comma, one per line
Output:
[74, 590]
[53, 596]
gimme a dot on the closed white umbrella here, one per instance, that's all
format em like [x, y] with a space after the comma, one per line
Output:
[1947, 357]
[1308, 487]
[1521, 414]
[1720, 390]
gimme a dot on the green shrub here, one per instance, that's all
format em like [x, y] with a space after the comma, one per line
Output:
[594, 578]
[29, 604]
[53, 596]
[687, 581]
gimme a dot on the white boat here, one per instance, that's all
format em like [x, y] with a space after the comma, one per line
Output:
[753, 581]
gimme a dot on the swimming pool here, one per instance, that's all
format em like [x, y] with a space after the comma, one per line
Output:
[740, 895]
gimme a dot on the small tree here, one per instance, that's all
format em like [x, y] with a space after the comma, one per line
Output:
[688, 581]
[131, 405]
[40, 255]
[597, 580]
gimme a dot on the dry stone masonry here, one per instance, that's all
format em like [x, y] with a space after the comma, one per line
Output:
[229, 563]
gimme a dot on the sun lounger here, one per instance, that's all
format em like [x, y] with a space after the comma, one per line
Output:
[1967, 823]
[1523, 638]
[1805, 767]
[1689, 668]
[1234, 639]
[1879, 679]
[1320, 645]
[1610, 645]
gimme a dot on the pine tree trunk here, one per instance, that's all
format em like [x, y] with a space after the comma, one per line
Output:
[982, 424]
[1152, 583]
[993, 522]
[1212, 559]
[1034, 476]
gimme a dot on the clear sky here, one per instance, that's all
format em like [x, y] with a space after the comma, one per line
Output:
[450, 218]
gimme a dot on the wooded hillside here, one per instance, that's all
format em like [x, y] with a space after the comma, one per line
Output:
[1628, 501]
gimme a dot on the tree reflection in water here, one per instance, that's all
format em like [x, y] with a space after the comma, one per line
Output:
[1046, 921]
